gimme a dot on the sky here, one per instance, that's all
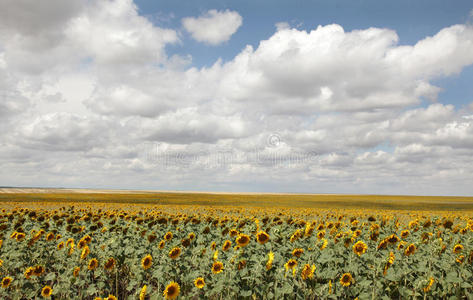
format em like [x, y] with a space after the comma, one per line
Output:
[360, 97]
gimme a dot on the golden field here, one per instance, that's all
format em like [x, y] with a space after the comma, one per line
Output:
[147, 245]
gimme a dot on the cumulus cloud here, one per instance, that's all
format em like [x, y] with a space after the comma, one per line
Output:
[89, 96]
[214, 27]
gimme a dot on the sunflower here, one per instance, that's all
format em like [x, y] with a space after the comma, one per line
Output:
[50, 237]
[321, 234]
[46, 292]
[324, 244]
[85, 252]
[213, 245]
[20, 236]
[217, 267]
[269, 263]
[297, 252]
[29, 272]
[81, 244]
[242, 240]
[143, 292]
[346, 279]
[69, 242]
[60, 246]
[307, 271]
[241, 264]
[457, 249]
[290, 264]
[199, 282]
[38, 270]
[172, 290]
[392, 239]
[226, 245]
[359, 248]
[262, 237]
[146, 262]
[161, 244]
[383, 244]
[76, 271]
[6, 281]
[110, 297]
[401, 245]
[234, 232]
[175, 252]
[460, 259]
[191, 236]
[411, 249]
[404, 233]
[168, 236]
[429, 285]
[93, 264]
[109, 264]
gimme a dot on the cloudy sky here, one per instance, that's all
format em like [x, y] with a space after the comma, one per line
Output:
[289, 96]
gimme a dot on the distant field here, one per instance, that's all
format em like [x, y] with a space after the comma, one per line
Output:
[251, 200]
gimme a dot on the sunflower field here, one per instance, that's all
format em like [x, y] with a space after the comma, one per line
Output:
[140, 251]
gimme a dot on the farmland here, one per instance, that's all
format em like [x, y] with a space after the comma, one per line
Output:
[144, 245]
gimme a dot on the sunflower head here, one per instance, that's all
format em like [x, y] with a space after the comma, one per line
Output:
[110, 297]
[297, 252]
[168, 236]
[217, 267]
[233, 232]
[242, 240]
[404, 233]
[85, 252]
[346, 279]
[175, 252]
[161, 244]
[146, 262]
[38, 270]
[226, 245]
[143, 292]
[93, 264]
[393, 239]
[290, 264]
[6, 281]
[457, 248]
[172, 290]
[76, 271]
[359, 248]
[411, 249]
[199, 282]
[262, 237]
[191, 236]
[110, 264]
[307, 271]
[29, 272]
[47, 291]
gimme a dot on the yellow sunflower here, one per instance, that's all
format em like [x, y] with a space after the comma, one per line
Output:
[199, 282]
[226, 245]
[46, 292]
[6, 281]
[109, 264]
[269, 263]
[168, 236]
[29, 272]
[297, 252]
[290, 264]
[146, 262]
[93, 264]
[110, 297]
[411, 249]
[307, 271]
[262, 237]
[457, 248]
[76, 271]
[143, 292]
[50, 237]
[38, 270]
[175, 252]
[404, 233]
[346, 279]
[172, 290]
[242, 240]
[217, 267]
[359, 248]
[85, 252]
[161, 244]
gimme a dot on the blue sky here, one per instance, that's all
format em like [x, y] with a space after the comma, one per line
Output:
[331, 96]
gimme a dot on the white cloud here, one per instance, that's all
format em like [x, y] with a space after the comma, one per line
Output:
[87, 89]
[214, 27]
